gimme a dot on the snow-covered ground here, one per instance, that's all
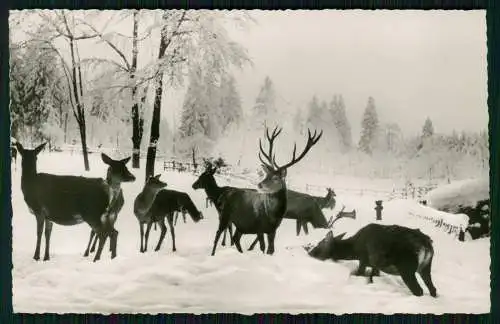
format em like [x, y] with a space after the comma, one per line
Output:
[459, 193]
[192, 281]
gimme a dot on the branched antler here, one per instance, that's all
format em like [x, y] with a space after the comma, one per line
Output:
[270, 157]
[339, 216]
[311, 140]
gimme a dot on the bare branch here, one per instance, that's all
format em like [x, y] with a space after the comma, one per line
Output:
[108, 61]
[110, 44]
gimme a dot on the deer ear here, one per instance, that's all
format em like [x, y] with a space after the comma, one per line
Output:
[125, 160]
[39, 148]
[339, 237]
[282, 172]
[157, 176]
[106, 159]
[20, 148]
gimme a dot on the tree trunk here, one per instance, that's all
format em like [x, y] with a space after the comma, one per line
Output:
[193, 151]
[66, 127]
[80, 111]
[136, 125]
[83, 138]
[155, 130]
[155, 121]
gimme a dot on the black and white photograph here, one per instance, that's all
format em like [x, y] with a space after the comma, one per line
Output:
[249, 161]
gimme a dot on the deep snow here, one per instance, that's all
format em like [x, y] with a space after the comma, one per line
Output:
[190, 280]
[459, 193]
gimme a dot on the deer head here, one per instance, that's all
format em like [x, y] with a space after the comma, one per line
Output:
[207, 177]
[29, 157]
[275, 175]
[154, 183]
[117, 171]
[330, 198]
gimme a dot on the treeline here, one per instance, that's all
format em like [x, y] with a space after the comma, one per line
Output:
[116, 95]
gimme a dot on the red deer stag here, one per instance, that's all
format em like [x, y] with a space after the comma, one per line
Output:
[260, 212]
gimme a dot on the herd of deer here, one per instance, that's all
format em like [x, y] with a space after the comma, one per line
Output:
[71, 200]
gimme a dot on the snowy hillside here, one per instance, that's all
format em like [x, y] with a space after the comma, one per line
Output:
[192, 281]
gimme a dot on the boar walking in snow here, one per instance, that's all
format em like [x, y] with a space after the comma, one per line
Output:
[392, 249]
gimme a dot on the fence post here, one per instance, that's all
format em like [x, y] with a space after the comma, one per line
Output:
[378, 209]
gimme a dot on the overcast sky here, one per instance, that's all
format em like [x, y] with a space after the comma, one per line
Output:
[414, 63]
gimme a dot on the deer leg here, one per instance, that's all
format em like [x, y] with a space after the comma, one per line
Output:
[223, 243]
[230, 229]
[102, 239]
[163, 229]
[172, 233]
[92, 234]
[298, 226]
[48, 232]
[252, 246]
[184, 216]
[176, 217]
[92, 249]
[113, 242]
[262, 244]
[237, 237]
[270, 242]
[39, 229]
[146, 239]
[411, 281]
[361, 271]
[425, 273]
[141, 232]
[304, 226]
[221, 228]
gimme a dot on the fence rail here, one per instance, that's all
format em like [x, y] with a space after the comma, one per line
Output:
[406, 192]
[449, 228]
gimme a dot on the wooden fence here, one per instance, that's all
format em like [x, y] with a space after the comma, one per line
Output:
[409, 191]
[449, 228]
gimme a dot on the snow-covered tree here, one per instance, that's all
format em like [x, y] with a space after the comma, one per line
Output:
[230, 110]
[428, 128]
[369, 128]
[338, 111]
[265, 111]
[189, 39]
[35, 90]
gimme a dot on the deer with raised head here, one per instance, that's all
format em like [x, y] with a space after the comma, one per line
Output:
[260, 212]
[207, 182]
[70, 200]
[165, 204]
[143, 203]
[393, 249]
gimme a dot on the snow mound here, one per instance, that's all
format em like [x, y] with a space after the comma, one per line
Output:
[459, 194]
